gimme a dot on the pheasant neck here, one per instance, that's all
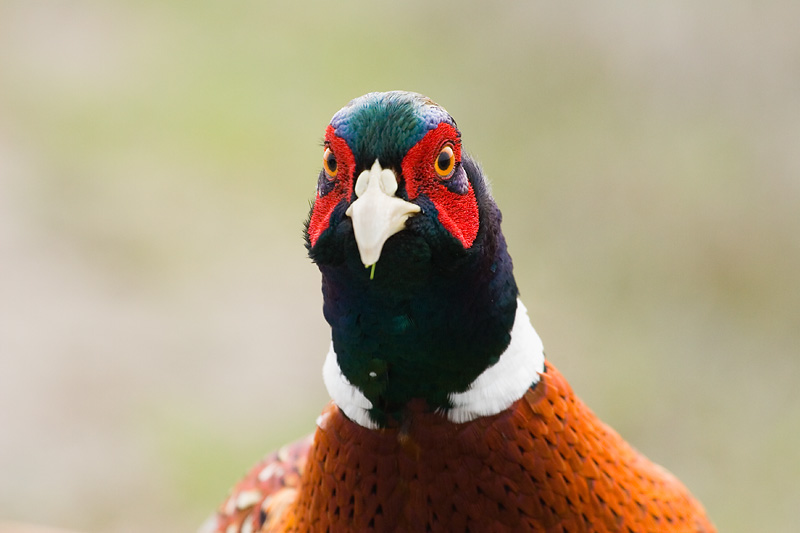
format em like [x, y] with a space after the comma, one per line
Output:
[492, 392]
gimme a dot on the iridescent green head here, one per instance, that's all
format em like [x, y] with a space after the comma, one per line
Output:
[386, 125]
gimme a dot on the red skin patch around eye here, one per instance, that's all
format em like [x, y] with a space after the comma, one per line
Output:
[343, 186]
[458, 213]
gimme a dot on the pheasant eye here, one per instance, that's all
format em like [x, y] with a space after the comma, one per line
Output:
[445, 162]
[329, 163]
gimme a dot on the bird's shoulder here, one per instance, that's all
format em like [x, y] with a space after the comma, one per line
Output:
[586, 472]
[264, 493]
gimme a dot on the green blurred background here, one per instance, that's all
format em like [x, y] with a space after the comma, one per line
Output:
[161, 328]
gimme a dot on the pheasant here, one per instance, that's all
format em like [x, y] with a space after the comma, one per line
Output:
[445, 415]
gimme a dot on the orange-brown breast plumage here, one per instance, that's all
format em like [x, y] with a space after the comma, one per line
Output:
[547, 464]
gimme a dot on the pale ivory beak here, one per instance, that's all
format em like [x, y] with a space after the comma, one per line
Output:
[377, 213]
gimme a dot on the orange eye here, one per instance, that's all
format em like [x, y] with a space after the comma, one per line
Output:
[445, 162]
[329, 163]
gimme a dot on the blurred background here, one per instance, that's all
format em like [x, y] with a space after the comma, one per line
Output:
[161, 327]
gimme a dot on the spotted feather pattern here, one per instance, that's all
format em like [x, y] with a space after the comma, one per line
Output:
[264, 494]
[547, 464]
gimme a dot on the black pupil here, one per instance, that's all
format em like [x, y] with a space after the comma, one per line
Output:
[331, 161]
[444, 160]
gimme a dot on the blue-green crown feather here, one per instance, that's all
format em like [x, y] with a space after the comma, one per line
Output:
[387, 125]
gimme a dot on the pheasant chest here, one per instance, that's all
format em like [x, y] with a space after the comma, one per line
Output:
[547, 464]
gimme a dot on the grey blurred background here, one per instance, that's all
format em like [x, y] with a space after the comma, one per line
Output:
[161, 328]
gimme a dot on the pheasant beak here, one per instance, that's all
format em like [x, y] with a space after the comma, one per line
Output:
[377, 213]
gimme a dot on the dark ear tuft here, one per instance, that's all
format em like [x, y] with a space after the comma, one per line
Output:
[306, 225]
[476, 176]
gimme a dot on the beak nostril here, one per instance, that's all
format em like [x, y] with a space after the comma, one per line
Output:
[374, 177]
[361, 183]
[388, 182]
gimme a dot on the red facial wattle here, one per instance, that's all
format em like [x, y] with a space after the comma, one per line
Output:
[458, 213]
[342, 184]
